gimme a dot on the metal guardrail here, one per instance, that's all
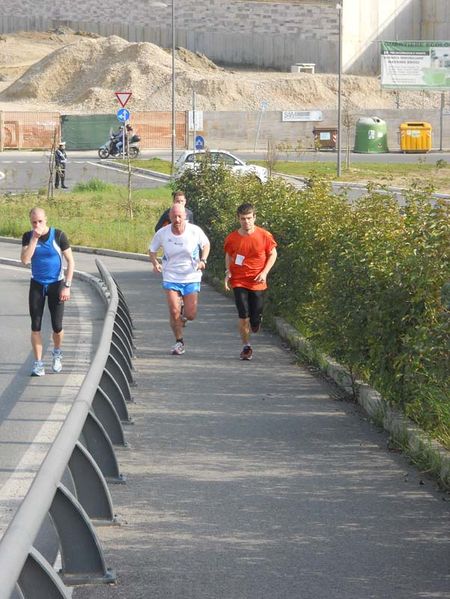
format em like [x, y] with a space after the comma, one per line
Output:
[70, 490]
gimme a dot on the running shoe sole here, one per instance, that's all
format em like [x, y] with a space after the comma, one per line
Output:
[246, 355]
[38, 371]
[177, 349]
[56, 366]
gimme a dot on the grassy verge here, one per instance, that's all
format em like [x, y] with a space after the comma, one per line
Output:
[92, 214]
[389, 174]
[154, 164]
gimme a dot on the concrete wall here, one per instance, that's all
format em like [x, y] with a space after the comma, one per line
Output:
[367, 23]
[262, 34]
[314, 19]
[237, 130]
[435, 20]
[269, 34]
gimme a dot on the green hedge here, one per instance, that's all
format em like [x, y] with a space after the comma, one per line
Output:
[364, 281]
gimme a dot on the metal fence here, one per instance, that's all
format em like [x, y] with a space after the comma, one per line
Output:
[39, 130]
[70, 490]
[28, 130]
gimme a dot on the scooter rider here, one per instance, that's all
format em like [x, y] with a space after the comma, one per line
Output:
[124, 137]
[116, 137]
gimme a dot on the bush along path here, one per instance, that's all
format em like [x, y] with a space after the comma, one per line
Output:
[366, 283]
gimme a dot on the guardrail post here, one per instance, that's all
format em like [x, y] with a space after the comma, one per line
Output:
[118, 330]
[107, 414]
[117, 354]
[90, 486]
[124, 348]
[123, 302]
[123, 315]
[99, 444]
[109, 386]
[81, 553]
[115, 370]
[38, 580]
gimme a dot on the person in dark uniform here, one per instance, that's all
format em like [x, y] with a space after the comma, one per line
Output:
[60, 165]
[178, 197]
[44, 247]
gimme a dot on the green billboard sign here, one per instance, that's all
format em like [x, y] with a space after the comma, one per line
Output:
[415, 65]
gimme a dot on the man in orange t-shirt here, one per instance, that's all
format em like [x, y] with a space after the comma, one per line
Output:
[250, 253]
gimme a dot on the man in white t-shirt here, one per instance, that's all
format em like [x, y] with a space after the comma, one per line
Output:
[186, 249]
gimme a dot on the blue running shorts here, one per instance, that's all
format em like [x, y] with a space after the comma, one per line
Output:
[182, 288]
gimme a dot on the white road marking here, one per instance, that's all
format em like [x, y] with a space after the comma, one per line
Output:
[17, 485]
[118, 170]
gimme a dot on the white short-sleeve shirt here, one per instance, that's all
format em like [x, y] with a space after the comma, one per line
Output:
[181, 253]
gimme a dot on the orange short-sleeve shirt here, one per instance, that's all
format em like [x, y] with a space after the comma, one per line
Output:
[249, 254]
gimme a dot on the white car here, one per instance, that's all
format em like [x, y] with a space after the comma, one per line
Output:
[189, 158]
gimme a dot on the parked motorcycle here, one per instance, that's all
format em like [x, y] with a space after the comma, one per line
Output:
[109, 149]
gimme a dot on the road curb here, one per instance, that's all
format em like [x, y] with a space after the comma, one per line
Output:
[137, 169]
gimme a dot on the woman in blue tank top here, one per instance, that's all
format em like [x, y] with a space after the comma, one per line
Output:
[44, 247]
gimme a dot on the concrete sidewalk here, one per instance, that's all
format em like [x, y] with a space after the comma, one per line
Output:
[247, 480]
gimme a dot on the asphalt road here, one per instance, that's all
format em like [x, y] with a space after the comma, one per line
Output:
[29, 171]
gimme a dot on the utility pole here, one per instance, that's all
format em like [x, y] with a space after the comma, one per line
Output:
[339, 7]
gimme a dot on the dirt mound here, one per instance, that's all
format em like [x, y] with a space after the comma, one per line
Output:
[83, 72]
[18, 51]
[197, 60]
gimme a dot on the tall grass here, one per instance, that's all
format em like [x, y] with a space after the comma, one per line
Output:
[93, 214]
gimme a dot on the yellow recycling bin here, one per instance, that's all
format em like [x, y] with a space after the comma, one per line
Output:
[415, 137]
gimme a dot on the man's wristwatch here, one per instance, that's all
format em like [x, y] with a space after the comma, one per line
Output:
[203, 260]
[68, 284]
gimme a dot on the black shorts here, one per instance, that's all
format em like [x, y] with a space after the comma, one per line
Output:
[249, 304]
[36, 302]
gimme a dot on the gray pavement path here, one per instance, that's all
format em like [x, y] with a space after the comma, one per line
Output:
[248, 480]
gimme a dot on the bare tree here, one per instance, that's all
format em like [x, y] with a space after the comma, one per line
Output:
[271, 156]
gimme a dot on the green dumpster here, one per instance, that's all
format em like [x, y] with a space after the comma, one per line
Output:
[371, 136]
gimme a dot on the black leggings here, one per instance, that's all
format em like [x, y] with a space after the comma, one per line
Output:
[249, 304]
[36, 302]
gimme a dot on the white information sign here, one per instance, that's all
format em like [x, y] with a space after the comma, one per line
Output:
[415, 65]
[301, 115]
[198, 125]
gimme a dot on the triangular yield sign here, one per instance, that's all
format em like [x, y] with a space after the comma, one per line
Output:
[123, 97]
